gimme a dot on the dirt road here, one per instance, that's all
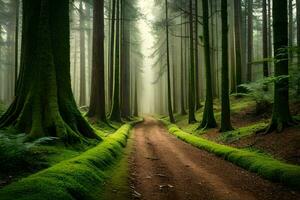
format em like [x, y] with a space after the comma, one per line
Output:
[163, 167]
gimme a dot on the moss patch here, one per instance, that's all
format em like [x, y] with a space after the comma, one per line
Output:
[261, 164]
[72, 179]
[242, 132]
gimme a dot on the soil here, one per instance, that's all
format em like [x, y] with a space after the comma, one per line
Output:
[163, 167]
[284, 146]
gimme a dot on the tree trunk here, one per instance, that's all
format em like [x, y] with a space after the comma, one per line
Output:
[225, 111]
[250, 40]
[265, 39]
[112, 49]
[170, 109]
[208, 115]
[115, 114]
[192, 118]
[182, 74]
[291, 30]
[97, 101]
[197, 88]
[298, 41]
[82, 93]
[44, 104]
[17, 42]
[281, 117]
[238, 45]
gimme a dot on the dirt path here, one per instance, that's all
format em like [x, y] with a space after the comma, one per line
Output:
[163, 167]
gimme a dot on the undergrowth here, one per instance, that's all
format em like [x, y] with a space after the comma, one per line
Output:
[257, 162]
[237, 134]
[72, 179]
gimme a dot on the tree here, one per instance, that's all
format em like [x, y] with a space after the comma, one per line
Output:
[97, 100]
[170, 109]
[250, 40]
[281, 117]
[197, 75]
[82, 94]
[265, 39]
[192, 90]
[225, 111]
[115, 114]
[208, 120]
[298, 40]
[238, 45]
[44, 104]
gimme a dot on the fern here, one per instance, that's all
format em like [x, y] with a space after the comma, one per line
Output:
[15, 154]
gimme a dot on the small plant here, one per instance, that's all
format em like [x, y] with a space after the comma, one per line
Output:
[261, 92]
[16, 154]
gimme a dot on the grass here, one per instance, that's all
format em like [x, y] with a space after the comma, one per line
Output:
[72, 179]
[264, 165]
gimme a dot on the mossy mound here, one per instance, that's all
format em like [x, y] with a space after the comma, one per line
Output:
[256, 162]
[73, 179]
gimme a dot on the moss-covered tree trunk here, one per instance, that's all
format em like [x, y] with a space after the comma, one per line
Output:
[225, 103]
[44, 103]
[281, 117]
[97, 101]
[208, 120]
[192, 106]
[115, 114]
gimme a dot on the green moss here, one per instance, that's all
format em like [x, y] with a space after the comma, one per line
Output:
[261, 164]
[239, 133]
[76, 178]
[117, 187]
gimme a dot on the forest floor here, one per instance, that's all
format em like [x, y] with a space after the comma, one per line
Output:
[163, 167]
[247, 121]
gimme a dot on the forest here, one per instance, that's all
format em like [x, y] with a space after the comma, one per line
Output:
[141, 99]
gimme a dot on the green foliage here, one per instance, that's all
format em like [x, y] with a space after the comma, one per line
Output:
[15, 154]
[259, 163]
[242, 132]
[73, 179]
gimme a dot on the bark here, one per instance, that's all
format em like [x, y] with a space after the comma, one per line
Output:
[125, 67]
[265, 39]
[192, 118]
[238, 45]
[44, 104]
[225, 103]
[170, 109]
[97, 101]
[182, 74]
[82, 92]
[112, 49]
[250, 40]
[281, 117]
[17, 42]
[115, 114]
[208, 120]
[197, 88]
[298, 41]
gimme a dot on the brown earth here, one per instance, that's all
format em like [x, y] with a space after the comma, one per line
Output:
[163, 167]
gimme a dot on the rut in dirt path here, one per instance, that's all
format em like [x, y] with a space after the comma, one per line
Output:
[164, 167]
